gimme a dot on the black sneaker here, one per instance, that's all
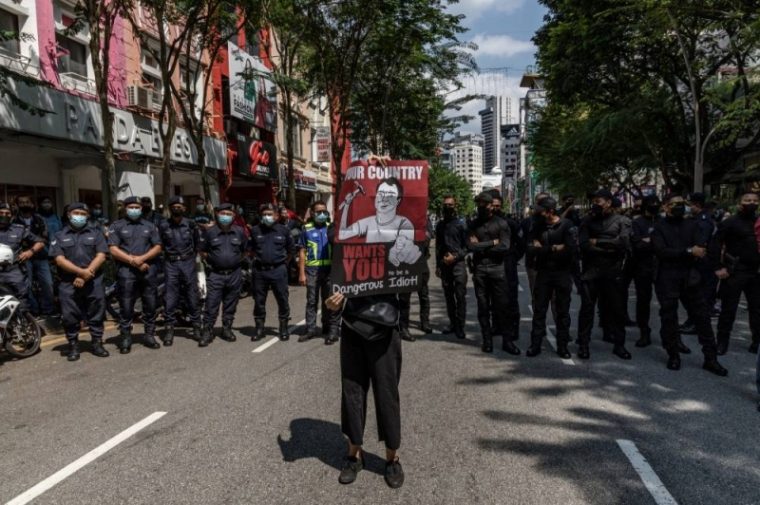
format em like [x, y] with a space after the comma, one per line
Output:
[350, 470]
[394, 474]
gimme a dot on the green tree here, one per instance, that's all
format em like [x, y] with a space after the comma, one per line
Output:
[443, 182]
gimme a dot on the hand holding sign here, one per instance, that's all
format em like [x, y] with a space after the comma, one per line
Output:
[404, 251]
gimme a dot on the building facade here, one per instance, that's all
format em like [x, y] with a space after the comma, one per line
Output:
[59, 154]
[497, 112]
[466, 160]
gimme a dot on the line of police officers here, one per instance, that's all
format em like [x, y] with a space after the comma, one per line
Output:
[665, 251]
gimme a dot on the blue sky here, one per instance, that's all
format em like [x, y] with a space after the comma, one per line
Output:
[502, 29]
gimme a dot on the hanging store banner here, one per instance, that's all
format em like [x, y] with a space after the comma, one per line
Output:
[253, 95]
[257, 158]
[380, 228]
[322, 139]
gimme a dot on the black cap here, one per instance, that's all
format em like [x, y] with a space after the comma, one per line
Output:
[131, 199]
[698, 198]
[225, 206]
[78, 206]
[176, 200]
[146, 199]
[484, 197]
[547, 203]
[603, 193]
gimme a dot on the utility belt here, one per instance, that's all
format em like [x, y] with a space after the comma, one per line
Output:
[267, 266]
[223, 271]
[179, 257]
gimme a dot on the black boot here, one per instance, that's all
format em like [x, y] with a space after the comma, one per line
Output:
[227, 333]
[425, 326]
[711, 365]
[674, 360]
[97, 348]
[73, 354]
[621, 352]
[487, 345]
[259, 335]
[205, 338]
[510, 347]
[125, 346]
[331, 338]
[169, 336]
[150, 342]
[534, 350]
[682, 348]
[405, 335]
[645, 339]
[197, 332]
[284, 331]
[583, 352]
[562, 351]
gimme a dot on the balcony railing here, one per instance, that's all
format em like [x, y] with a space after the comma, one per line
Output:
[76, 82]
[18, 63]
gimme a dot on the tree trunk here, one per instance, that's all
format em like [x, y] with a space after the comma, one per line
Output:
[108, 183]
[289, 148]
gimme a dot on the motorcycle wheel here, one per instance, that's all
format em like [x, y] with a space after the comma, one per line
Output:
[23, 336]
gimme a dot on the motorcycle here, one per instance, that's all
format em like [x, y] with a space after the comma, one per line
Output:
[20, 335]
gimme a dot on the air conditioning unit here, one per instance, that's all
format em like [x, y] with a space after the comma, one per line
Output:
[140, 97]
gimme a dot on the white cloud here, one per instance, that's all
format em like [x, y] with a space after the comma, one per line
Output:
[487, 84]
[503, 46]
[474, 9]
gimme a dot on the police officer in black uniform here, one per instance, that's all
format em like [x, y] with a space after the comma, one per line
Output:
[604, 238]
[80, 250]
[516, 251]
[272, 247]
[135, 245]
[450, 253]
[223, 247]
[24, 245]
[643, 255]
[677, 242]
[180, 239]
[735, 259]
[553, 246]
[489, 237]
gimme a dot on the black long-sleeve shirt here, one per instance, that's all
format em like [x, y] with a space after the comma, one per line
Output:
[671, 241]
[564, 233]
[737, 236]
[450, 237]
[612, 234]
[643, 251]
[485, 232]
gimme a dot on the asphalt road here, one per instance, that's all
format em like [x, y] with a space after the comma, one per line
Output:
[263, 428]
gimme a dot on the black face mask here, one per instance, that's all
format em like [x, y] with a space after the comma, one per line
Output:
[653, 209]
[482, 212]
[498, 212]
[26, 209]
[448, 211]
[177, 212]
[597, 210]
[749, 209]
[539, 219]
[678, 211]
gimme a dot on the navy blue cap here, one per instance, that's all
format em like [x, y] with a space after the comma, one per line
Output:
[176, 200]
[131, 199]
[225, 206]
[78, 206]
[603, 193]
[5, 205]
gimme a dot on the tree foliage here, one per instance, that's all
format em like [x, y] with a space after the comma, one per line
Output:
[443, 182]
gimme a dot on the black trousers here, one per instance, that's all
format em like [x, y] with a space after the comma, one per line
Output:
[672, 286]
[491, 293]
[454, 281]
[276, 280]
[181, 281]
[644, 283]
[87, 303]
[731, 289]
[222, 289]
[376, 363]
[133, 283]
[405, 303]
[318, 288]
[512, 329]
[556, 286]
[607, 291]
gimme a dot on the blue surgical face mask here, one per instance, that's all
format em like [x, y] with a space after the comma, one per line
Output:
[97, 212]
[77, 220]
[267, 220]
[133, 213]
[322, 217]
[224, 219]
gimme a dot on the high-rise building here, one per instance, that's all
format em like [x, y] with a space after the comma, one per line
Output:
[510, 149]
[464, 155]
[497, 112]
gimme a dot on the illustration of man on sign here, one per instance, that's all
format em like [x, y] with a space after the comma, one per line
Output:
[386, 225]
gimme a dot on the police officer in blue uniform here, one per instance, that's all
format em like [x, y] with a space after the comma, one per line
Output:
[223, 247]
[272, 246]
[25, 245]
[135, 245]
[201, 217]
[79, 251]
[180, 238]
[315, 250]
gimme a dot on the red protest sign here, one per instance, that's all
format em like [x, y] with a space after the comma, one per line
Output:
[380, 240]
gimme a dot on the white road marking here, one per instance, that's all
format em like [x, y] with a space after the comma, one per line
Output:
[269, 343]
[650, 479]
[520, 288]
[91, 456]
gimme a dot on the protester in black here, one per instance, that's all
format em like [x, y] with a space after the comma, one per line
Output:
[677, 242]
[450, 253]
[553, 247]
[643, 255]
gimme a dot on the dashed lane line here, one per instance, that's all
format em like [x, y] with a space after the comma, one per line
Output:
[269, 343]
[650, 479]
[91, 456]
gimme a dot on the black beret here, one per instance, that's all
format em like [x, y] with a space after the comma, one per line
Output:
[176, 200]
[603, 193]
[547, 203]
[78, 206]
[131, 199]
[146, 199]
[225, 206]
